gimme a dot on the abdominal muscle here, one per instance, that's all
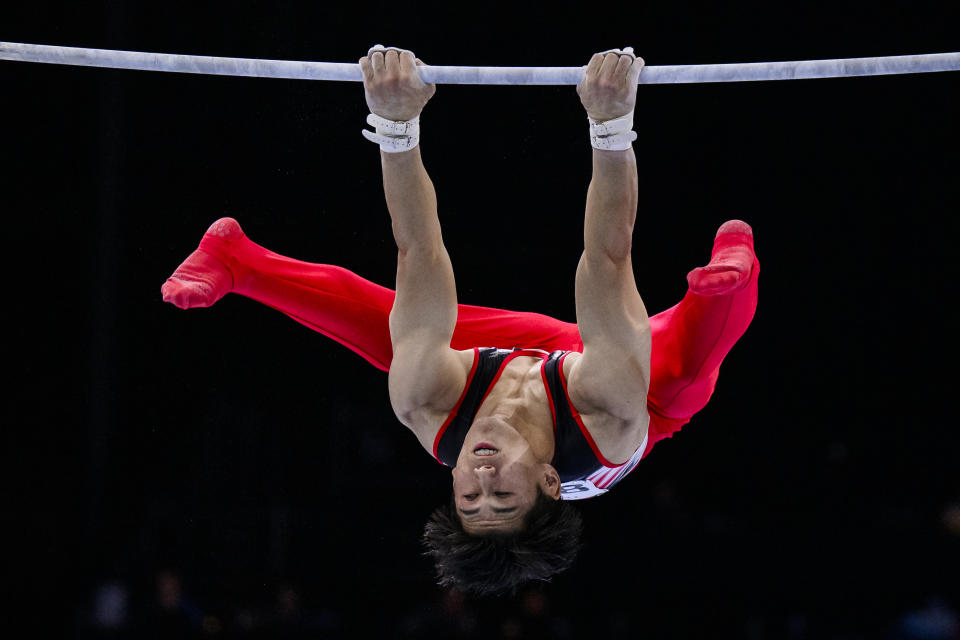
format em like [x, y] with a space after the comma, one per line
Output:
[520, 398]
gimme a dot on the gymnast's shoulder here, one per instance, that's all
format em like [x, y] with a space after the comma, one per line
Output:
[425, 384]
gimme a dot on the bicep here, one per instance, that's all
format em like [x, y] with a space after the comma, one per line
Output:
[613, 373]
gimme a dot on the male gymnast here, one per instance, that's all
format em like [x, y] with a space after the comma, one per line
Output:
[529, 412]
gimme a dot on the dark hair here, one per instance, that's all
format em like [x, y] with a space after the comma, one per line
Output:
[545, 545]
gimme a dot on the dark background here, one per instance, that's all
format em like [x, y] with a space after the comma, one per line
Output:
[227, 472]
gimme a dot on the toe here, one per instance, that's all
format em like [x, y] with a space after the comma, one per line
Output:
[225, 228]
[735, 226]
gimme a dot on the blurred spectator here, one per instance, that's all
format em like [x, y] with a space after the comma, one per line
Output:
[110, 606]
[452, 619]
[535, 618]
[287, 619]
[288, 606]
[935, 621]
[951, 518]
[172, 613]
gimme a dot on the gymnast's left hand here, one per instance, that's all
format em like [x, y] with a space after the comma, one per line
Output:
[392, 85]
[608, 89]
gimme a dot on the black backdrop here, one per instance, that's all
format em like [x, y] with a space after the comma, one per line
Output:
[258, 464]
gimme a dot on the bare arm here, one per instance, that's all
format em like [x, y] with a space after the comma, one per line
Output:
[612, 375]
[426, 375]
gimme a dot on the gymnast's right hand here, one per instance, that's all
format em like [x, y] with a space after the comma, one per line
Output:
[392, 85]
[608, 88]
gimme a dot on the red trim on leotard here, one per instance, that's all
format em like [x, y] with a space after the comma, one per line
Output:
[579, 420]
[546, 386]
[456, 407]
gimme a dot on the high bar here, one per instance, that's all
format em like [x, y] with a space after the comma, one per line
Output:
[350, 72]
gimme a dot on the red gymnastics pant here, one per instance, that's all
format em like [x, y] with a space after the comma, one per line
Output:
[689, 340]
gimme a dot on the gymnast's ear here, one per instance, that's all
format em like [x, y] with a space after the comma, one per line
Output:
[550, 481]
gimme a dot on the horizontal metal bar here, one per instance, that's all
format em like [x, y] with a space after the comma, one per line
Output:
[350, 72]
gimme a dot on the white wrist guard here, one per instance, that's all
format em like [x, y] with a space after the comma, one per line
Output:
[612, 135]
[393, 136]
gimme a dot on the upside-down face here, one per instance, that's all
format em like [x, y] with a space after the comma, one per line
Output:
[496, 478]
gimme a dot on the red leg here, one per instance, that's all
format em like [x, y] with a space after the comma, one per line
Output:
[691, 339]
[336, 302]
